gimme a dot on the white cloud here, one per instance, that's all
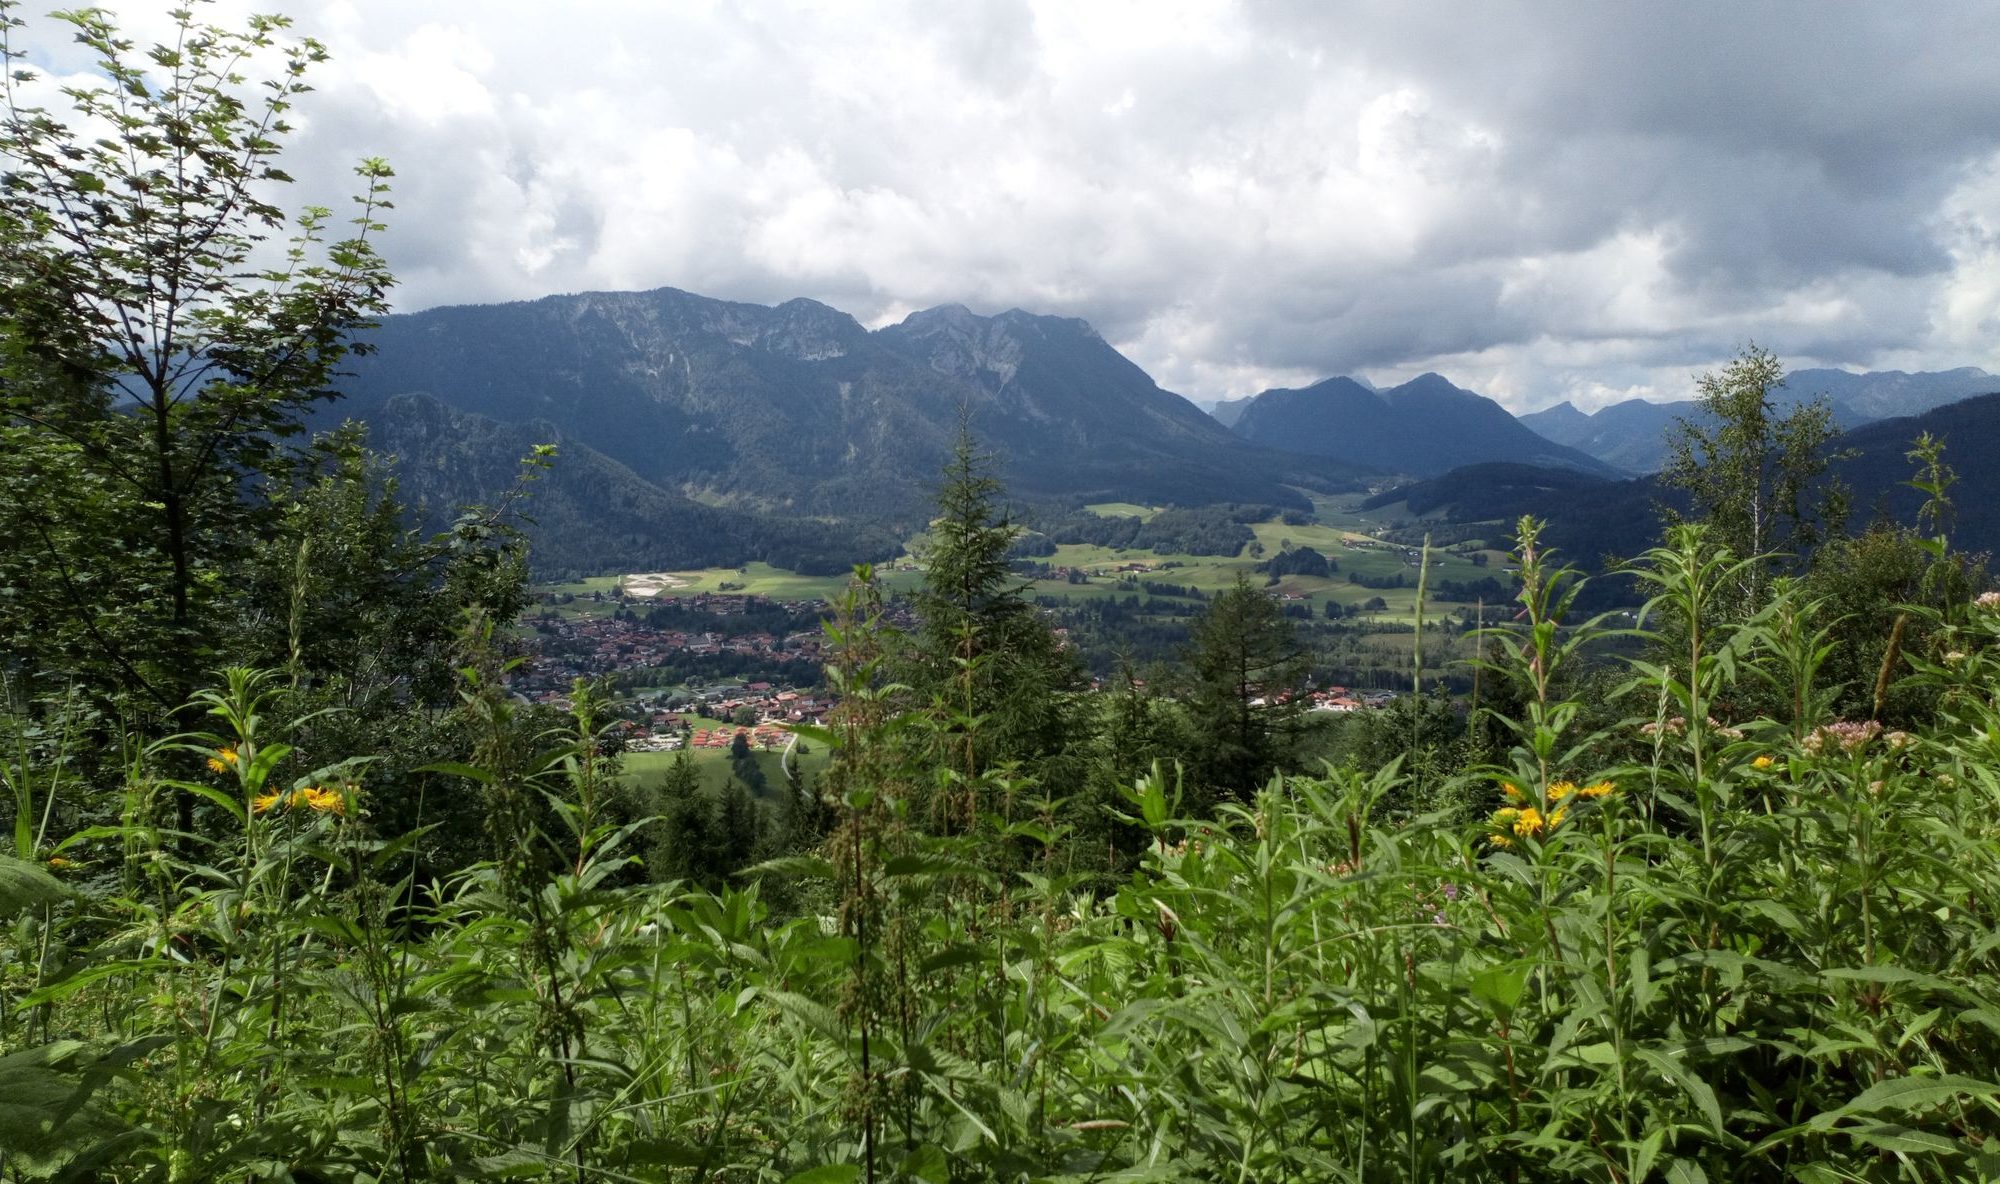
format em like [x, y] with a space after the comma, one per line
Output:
[1540, 201]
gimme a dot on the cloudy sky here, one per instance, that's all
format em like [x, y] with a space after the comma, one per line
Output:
[1542, 201]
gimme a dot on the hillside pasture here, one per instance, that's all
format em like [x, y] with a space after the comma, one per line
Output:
[1123, 510]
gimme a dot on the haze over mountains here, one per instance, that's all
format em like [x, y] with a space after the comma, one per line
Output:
[1631, 436]
[701, 432]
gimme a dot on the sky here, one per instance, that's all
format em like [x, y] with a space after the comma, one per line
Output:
[1541, 201]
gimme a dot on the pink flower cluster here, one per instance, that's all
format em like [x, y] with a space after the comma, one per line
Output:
[1847, 736]
[1678, 726]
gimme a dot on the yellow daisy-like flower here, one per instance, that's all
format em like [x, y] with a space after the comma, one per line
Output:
[1528, 822]
[1763, 762]
[324, 801]
[1513, 792]
[58, 862]
[263, 802]
[1598, 790]
[225, 759]
[1561, 790]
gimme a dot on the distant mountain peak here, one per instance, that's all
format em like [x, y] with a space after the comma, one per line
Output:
[1341, 383]
[1047, 322]
[1424, 427]
[1428, 383]
[941, 316]
[956, 318]
[1631, 435]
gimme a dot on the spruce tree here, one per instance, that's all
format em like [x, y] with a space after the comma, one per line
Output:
[1244, 667]
[983, 660]
[681, 843]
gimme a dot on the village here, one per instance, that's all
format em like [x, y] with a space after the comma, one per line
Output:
[684, 687]
[720, 669]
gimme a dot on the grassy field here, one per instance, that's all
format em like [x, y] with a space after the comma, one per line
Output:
[649, 768]
[761, 579]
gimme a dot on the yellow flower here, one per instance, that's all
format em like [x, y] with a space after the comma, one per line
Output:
[1524, 821]
[1513, 792]
[1561, 790]
[1763, 762]
[263, 802]
[325, 801]
[1598, 790]
[58, 862]
[224, 759]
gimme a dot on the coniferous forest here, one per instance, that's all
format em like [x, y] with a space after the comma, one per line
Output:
[297, 890]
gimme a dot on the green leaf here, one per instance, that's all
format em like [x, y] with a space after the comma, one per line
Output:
[456, 769]
[831, 1173]
[1649, 1150]
[1695, 1088]
[806, 867]
[1905, 1140]
[24, 886]
[508, 1165]
[814, 733]
[1501, 985]
[1905, 1094]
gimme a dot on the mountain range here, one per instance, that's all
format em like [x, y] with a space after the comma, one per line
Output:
[794, 412]
[1592, 519]
[701, 432]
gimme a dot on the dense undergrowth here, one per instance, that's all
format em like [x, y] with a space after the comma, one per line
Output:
[1688, 946]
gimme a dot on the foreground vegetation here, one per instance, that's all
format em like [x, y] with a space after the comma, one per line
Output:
[1761, 949]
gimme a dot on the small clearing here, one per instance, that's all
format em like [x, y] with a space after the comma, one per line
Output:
[652, 583]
